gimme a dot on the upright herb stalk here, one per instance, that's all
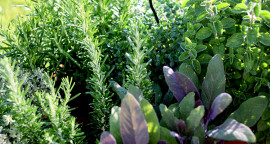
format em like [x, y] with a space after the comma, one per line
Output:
[20, 121]
[46, 121]
[101, 96]
[137, 72]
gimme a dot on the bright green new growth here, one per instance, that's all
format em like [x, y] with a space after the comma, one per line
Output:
[137, 72]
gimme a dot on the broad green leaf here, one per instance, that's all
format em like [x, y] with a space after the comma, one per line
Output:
[239, 8]
[168, 117]
[184, 56]
[265, 15]
[262, 125]
[136, 92]
[202, 16]
[252, 36]
[214, 82]
[187, 105]
[165, 135]
[121, 92]
[107, 138]
[196, 65]
[200, 48]
[235, 40]
[193, 52]
[199, 132]
[204, 58]
[175, 109]
[265, 39]
[115, 123]
[250, 111]
[152, 121]
[219, 27]
[133, 126]
[223, 6]
[227, 22]
[204, 33]
[219, 49]
[187, 70]
[266, 114]
[232, 130]
[194, 118]
[158, 93]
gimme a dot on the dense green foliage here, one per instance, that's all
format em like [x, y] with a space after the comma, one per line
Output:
[106, 44]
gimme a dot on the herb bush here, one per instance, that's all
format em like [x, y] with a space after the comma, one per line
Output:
[103, 43]
[186, 121]
[238, 30]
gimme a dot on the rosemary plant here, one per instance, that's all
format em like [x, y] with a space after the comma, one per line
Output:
[100, 93]
[47, 121]
[137, 72]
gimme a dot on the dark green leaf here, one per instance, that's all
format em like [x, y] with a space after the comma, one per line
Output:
[250, 111]
[193, 120]
[204, 33]
[214, 82]
[168, 117]
[200, 48]
[136, 92]
[184, 56]
[187, 105]
[121, 92]
[165, 135]
[204, 58]
[219, 27]
[219, 49]
[265, 39]
[196, 65]
[252, 36]
[227, 22]
[235, 40]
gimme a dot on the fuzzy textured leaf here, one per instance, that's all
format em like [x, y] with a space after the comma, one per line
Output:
[204, 33]
[187, 105]
[235, 40]
[265, 39]
[220, 103]
[165, 135]
[227, 22]
[133, 126]
[250, 111]
[178, 83]
[152, 121]
[232, 130]
[107, 138]
[214, 82]
[194, 119]
[115, 124]
[168, 117]
[136, 92]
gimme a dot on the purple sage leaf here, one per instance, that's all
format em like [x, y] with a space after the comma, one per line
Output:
[107, 138]
[133, 126]
[179, 84]
[220, 103]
